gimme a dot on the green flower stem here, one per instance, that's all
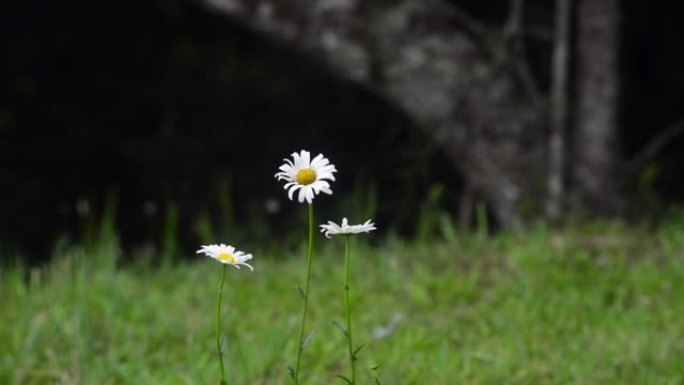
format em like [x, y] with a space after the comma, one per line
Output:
[218, 327]
[302, 328]
[347, 303]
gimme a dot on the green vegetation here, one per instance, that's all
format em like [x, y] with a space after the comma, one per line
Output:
[597, 304]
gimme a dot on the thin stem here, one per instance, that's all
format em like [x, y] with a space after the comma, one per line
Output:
[347, 303]
[306, 294]
[219, 349]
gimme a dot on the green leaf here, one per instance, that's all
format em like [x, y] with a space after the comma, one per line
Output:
[301, 292]
[342, 329]
[307, 339]
[357, 350]
[376, 369]
[291, 370]
[341, 377]
[223, 382]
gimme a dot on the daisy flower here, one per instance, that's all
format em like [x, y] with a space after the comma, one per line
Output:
[309, 176]
[332, 228]
[227, 254]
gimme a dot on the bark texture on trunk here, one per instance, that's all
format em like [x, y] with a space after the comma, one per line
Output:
[559, 110]
[596, 156]
[456, 77]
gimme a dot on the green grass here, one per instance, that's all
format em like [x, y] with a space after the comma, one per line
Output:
[601, 304]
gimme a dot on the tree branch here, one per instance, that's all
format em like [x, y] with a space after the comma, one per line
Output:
[653, 147]
[469, 23]
[514, 36]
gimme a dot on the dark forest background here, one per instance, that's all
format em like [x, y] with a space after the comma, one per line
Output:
[172, 116]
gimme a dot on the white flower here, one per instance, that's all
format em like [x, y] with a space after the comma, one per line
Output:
[306, 175]
[226, 254]
[345, 228]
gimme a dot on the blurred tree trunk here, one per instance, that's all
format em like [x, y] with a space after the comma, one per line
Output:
[465, 83]
[595, 153]
[559, 110]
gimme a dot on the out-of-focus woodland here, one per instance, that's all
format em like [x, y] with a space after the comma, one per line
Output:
[172, 116]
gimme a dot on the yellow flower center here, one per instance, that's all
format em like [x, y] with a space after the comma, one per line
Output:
[226, 257]
[306, 176]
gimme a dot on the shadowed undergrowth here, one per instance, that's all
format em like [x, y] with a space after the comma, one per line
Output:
[595, 304]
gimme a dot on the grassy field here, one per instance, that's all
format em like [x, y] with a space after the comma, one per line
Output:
[603, 304]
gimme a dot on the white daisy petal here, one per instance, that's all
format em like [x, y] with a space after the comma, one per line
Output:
[332, 228]
[292, 190]
[286, 168]
[306, 158]
[302, 193]
[317, 162]
[326, 169]
[321, 184]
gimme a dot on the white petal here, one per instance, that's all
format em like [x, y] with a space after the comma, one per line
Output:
[288, 162]
[302, 194]
[248, 265]
[291, 191]
[317, 161]
[309, 195]
[319, 184]
[329, 168]
[287, 169]
[306, 159]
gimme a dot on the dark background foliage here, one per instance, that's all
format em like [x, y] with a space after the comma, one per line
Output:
[174, 113]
